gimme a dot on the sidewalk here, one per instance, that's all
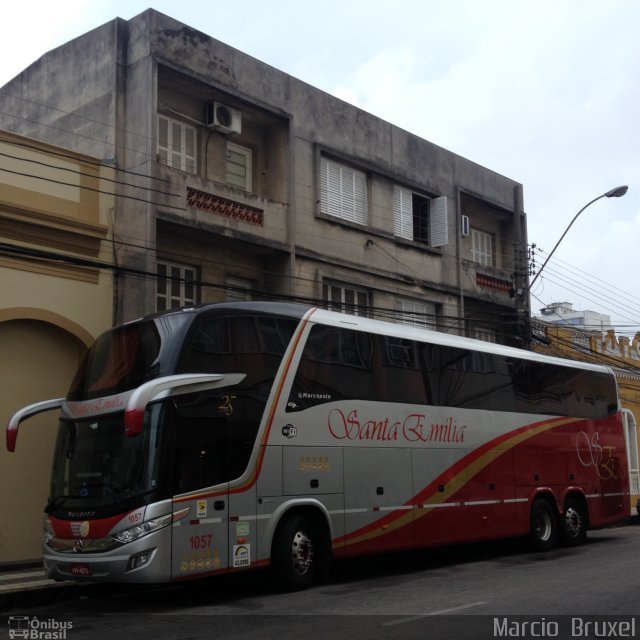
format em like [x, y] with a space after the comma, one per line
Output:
[28, 586]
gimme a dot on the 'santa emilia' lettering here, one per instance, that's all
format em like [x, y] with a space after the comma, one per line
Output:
[414, 428]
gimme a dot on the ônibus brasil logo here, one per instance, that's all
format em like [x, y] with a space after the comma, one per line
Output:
[32, 628]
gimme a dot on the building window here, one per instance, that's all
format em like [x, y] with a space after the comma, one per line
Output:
[238, 290]
[343, 192]
[176, 144]
[482, 247]
[176, 286]
[416, 313]
[239, 166]
[418, 218]
[487, 335]
[346, 299]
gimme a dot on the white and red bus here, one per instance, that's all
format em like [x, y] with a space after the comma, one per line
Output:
[234, 436]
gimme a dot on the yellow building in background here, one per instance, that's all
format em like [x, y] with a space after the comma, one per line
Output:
[55, 298]
[620, 353]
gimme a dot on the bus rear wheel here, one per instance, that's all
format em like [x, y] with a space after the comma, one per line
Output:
[544, 529]
[294, 557]
[573, 523]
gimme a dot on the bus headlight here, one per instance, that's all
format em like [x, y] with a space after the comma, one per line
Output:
[141, 530]
[48, 533]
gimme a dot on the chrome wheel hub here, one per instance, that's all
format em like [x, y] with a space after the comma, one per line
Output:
[302, 553]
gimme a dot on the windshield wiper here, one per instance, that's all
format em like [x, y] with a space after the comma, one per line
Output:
[55, 503]
[117, 497]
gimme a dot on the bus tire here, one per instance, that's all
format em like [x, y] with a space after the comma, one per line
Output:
[294, 558]
[572, 527]
[544, 525]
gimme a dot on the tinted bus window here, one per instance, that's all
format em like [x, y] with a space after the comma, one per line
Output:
[398, 372]
[249, 344]
[340, 364]
[335, 365]
[119, 360]
[468, 379]
[555, 390]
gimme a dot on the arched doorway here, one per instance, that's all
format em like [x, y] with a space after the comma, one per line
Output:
[37, 362]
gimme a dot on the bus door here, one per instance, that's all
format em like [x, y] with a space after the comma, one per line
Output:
[243, 539]
[200, 462]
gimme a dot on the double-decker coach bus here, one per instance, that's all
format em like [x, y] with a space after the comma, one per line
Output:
[234, 436]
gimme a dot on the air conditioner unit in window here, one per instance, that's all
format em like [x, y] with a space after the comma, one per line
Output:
[464, 225]
[223, 118]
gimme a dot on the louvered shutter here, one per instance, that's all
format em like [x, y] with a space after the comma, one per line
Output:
[403, 213]
[360, 204]
[175, 157]
[189, 150]
[163, 140]
[343, 192]
[438, 222]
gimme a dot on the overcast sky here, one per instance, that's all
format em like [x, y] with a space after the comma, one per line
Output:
[545, 92]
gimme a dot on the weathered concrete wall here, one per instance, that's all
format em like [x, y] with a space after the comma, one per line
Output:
[104, 100]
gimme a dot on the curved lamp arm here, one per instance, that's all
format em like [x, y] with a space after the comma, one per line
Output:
[613, 193]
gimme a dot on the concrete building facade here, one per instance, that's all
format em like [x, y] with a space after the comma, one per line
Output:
[236, 180]
[55, 298]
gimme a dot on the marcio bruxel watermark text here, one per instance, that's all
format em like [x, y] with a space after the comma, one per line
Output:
[34, 628]
[565, 627]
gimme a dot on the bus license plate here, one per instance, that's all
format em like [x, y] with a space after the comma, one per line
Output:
[80, 570]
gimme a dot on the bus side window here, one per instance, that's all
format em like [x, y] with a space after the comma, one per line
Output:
[336, 364]
[398, 373]
[469, 379]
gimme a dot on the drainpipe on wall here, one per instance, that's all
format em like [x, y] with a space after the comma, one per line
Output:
[458, 210]
[291, 213]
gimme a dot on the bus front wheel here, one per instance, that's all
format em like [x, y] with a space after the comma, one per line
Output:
[294, 556]
[544, 528]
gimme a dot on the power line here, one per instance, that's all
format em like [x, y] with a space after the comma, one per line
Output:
[74, 158]
[50, 256]
[349, 243]
[86, 187]
[589, 277]
[590, 288]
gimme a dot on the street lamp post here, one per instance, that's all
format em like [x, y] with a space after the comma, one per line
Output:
[614, 193]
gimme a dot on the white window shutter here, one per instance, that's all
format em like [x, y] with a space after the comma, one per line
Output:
[324, 186]
[163, 139]
[176, 145]
[189, 149]
[402, 213]
[343, 192]
[438, 222]
[360, 197]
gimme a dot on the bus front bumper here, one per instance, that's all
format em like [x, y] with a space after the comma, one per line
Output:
[145, 560]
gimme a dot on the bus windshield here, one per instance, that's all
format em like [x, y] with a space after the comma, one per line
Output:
[196, 440]
[97, 467]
